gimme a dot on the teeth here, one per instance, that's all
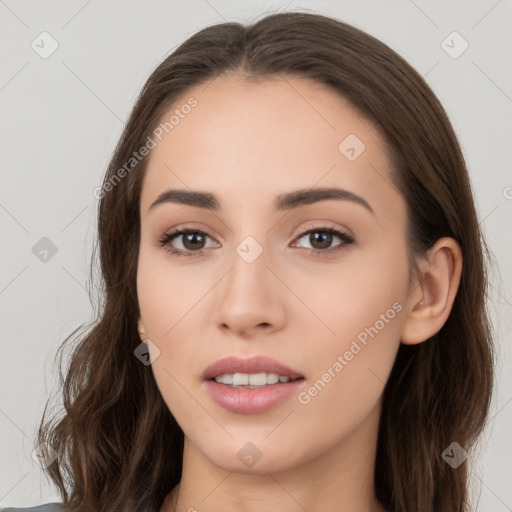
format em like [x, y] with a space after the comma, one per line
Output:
[250, 379]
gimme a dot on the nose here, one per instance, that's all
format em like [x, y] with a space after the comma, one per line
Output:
[251, 299]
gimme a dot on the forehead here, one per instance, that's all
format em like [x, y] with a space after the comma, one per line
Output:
[248, 141]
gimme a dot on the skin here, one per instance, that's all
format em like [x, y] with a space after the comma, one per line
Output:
[247, 142]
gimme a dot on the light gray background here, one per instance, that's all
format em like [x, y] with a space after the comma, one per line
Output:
[62, 116]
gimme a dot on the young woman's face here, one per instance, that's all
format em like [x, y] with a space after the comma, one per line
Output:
[332, 317]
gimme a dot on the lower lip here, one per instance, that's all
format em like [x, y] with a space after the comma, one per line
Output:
[254, 400]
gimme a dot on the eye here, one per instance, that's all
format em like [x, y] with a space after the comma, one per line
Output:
[192, 242]
[321, 238]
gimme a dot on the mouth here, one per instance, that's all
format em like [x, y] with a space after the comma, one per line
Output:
[251, 386]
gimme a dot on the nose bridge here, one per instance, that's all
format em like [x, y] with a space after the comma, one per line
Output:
[248, 280]
[250, 296]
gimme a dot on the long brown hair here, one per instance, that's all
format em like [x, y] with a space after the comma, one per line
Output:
[119, 448]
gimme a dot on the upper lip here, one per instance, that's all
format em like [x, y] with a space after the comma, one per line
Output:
[255, 364]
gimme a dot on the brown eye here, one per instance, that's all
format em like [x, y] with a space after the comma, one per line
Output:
[192, 242]
[321, 239]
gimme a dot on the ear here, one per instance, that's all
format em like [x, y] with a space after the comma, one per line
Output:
[432, 293]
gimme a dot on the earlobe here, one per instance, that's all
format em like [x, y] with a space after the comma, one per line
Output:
[431, 298]
[141, 328]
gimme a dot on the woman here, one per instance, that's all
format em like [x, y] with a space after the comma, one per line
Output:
[234, 367]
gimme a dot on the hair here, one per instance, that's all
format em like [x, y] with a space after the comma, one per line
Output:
[119, 447]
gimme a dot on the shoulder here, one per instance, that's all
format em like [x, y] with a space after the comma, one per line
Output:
[47, 507]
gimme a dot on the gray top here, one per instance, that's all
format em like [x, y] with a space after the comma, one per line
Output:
[47, 507]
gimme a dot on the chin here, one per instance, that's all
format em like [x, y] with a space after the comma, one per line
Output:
[258, 456]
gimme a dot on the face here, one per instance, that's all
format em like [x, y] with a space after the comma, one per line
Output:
[318, 285]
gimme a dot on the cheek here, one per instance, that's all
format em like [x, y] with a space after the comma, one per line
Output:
[350, 370]
[352, 360]
[359, 297]
[164, 303]
[170, 305]
[168, 294]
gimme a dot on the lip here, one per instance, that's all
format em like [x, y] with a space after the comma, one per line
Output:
[250, 400]
[255, 364]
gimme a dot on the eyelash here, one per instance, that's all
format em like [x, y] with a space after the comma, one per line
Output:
[168, 237]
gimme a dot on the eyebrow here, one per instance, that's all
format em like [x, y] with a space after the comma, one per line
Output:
[287, 201]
